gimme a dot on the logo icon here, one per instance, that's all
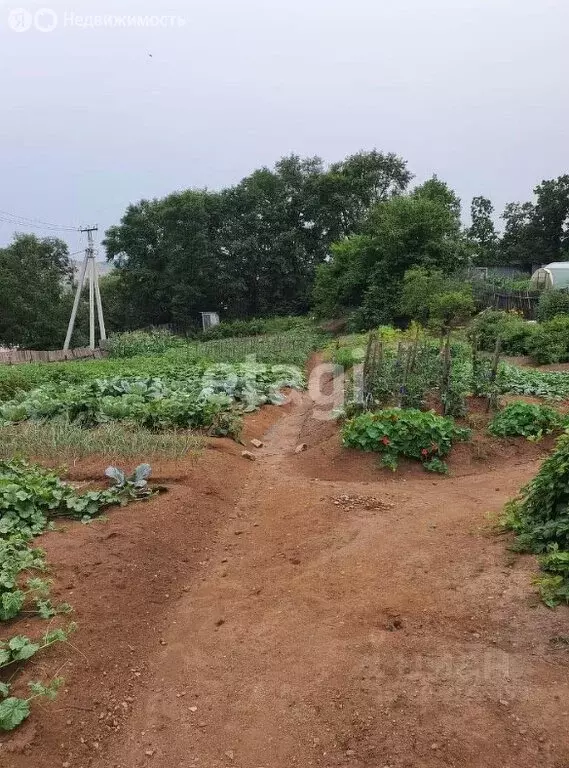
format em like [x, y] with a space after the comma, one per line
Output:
[20, 20]
[45, 20]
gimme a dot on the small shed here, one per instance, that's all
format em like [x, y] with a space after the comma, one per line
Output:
[209, 320]
[554, 275]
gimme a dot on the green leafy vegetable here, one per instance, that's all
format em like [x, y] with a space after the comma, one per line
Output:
[540, 519]
[410, 433]
[13, 712]
[531, 421]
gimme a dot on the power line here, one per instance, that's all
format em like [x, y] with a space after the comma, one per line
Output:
[25, 221]
[35, 221]
[40, 227]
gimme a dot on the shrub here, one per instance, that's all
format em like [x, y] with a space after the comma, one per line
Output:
[515, 332]
[234, 329]
[431, 296]
[134, 343]
[485, 328]
[550, 341]
[396, 432]
[257, 327]
[531, 421]
[451, 309]
[551, 304]
[540, 519]
[540, 516]
[516, 335]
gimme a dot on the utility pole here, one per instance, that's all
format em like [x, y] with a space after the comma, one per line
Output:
[89, 270]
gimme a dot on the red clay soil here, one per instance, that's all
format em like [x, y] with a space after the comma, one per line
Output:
[304, 610]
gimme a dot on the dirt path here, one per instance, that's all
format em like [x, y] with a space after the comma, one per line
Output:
[367, 623]
[361, 624]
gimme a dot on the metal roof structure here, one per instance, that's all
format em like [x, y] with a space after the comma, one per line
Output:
[554, 275]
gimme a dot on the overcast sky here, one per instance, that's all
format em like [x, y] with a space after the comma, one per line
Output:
[473, 90]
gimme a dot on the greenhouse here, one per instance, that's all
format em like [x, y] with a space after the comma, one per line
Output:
[554, 275]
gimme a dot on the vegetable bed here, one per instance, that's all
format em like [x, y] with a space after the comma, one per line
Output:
[197, 396]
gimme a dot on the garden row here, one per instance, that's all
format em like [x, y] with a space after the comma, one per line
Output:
[159, 353]
[176, 396]
[151, 383]
[411, 369]
[428, 437]
[31, 498]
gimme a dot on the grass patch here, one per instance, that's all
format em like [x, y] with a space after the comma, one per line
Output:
[292, 348]
[62, 441]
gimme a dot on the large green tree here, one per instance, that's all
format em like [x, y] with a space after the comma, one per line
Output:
[537, 232]
[482, 231]
[366, 271]
[249, 250]
[519, 245]
[35, 292]
[354, 185]
[272, 237]
[551, 217]
[167, 258]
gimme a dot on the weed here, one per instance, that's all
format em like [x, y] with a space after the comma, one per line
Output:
[559, 641]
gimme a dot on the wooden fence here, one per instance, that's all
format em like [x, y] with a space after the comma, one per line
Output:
[16, 356]
[524, 302]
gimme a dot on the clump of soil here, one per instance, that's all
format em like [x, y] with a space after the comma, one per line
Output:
[349, 502]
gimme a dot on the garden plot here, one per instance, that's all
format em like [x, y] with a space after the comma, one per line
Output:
[167, 575]
[200, 396]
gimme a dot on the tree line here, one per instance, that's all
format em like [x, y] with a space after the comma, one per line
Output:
[302, 236]
[250, 250]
